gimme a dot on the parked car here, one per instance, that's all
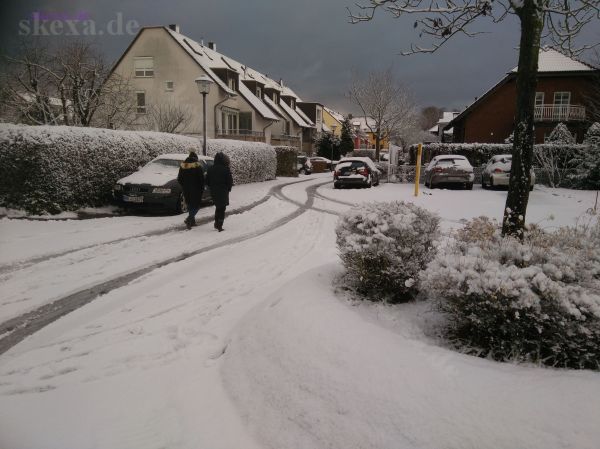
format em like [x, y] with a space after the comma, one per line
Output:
[155, 185]
[449, 169]
[497, 172]
[304, 165]
[355, 171]
[322, 159]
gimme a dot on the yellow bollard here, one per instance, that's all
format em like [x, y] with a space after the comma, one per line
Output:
[418, 172]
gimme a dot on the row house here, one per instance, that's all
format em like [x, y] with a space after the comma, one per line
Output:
[563, 86]
[363, 136]
[244, 104]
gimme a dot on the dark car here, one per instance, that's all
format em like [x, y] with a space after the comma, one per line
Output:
[304, 165]
[155, 185]
[449, 170]
[355, 171]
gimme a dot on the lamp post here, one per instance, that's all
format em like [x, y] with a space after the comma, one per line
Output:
[203, 82]
[333, 127]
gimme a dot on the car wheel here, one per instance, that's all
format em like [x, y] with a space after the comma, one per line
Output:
[370, 182]
[336, 186]
[302, 171]
[181, 207]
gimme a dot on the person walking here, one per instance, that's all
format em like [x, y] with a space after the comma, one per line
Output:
[220, 181]
[191, 179]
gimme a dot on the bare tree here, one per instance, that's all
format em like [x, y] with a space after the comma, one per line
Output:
[430, 116]
[66, 86]
[556, 21]
[29, 86]
[592, 99]
[385, 104]
[168, 117]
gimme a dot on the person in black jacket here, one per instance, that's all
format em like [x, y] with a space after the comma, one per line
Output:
[191, 179]
[220, 181]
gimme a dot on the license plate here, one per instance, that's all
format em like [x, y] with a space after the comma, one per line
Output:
[133, 199]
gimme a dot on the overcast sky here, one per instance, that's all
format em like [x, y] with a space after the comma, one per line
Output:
[308, 43]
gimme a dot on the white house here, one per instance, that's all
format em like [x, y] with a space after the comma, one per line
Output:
[162, 64]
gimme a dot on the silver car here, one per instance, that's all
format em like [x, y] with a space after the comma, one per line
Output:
[449, 169]
[497, 172]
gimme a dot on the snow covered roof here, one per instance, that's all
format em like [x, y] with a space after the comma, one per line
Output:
[257, 103]
[294, 115]
[551, 60]
[304, 116]
[275, 107]
[210, 60]
[336, 115]
[361, 122]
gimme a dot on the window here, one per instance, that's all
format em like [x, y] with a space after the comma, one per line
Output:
[318, 115]
[229, 121]
[141, 102]
[562, 98]
[258, 92]
[169, 86]
[245, 121]
[231, 83]
[144, 66]
[539, 98]
[561, 105]
[287, 128]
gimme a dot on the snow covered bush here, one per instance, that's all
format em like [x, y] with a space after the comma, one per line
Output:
[49, 169]
[561, 135]
[536, 300]
[250, 161]
[56, 168]
[384, 246]
[287, 161]
[587, 163]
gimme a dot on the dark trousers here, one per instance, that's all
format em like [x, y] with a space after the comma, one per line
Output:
[219, 216]
[192, 211]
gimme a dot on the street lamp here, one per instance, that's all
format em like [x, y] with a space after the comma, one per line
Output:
[203, 82]
[333, 127]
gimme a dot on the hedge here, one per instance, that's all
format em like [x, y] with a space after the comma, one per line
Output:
[479, 153]
[49, 169]
[287, 161]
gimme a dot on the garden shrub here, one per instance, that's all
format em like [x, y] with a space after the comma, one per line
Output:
[384, 246]
[536, 300]
[49, 169]
[287, 161]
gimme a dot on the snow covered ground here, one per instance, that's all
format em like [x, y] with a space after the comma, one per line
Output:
[247, 345]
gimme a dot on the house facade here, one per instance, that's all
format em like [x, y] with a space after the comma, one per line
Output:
[562, 88]
[364, 137]
[162, 64]
[333, 120]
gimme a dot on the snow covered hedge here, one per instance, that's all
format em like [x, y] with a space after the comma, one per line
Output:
[287, 161]
[49, 169]
[56, 168]
[384, 246]
[536, 301]
[250, 161]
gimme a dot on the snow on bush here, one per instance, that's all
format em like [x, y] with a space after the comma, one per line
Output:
[56, 168]
[384, 246]
[287, 161]
[536, 300]
[587, 175]
[250, 161]
[49, 169]
[592, 135]
[561, 135]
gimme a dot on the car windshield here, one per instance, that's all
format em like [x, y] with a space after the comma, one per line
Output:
[161, 163]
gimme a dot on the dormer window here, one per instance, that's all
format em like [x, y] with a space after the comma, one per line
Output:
[258, 92]
[231, 83]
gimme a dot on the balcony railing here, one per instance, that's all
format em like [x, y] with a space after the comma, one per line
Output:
[559, 113]
[242, 134]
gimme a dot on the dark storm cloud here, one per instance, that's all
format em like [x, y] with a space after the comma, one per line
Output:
[307, 43]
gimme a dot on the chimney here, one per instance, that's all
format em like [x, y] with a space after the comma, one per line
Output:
[174, 27]
[212, 46]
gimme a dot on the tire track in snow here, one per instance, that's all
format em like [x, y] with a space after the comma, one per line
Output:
[273, 192]
[17, 329]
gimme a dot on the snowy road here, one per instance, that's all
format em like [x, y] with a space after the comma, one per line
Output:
[236, 340]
